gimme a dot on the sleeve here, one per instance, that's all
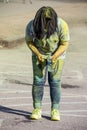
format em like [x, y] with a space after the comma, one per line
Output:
[29, 34]
[64, 32]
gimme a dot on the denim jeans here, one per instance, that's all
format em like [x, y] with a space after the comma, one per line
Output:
[39, 79]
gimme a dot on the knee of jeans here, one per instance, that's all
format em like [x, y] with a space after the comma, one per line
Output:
[39, 81]
[55, 82]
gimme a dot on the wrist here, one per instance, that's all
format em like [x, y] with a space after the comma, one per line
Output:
[55, 55]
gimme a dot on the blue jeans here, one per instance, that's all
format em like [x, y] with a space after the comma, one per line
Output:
[39, 79]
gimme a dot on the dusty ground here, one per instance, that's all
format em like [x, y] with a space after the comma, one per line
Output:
[16, 69]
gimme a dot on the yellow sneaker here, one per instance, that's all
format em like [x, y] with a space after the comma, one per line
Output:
[55, 115]
[36, 114]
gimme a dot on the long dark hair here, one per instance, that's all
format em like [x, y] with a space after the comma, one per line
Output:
[45, 19]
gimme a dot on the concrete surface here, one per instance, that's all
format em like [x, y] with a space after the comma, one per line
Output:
[16, 70]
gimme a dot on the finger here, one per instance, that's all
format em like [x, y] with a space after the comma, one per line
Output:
[42, 60]
[53, 60]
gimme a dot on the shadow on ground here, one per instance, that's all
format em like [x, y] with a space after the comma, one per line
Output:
[19, 112]
[65, 86]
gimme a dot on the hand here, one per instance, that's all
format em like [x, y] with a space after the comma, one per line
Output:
[40, 57]
[54, 58]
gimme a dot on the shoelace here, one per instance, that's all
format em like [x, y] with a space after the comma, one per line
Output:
[55, 111]
[36, 110]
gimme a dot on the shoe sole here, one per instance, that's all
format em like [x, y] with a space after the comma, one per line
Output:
[35, 118]
[55, 119]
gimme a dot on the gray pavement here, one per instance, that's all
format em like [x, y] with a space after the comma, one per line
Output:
[16, 82]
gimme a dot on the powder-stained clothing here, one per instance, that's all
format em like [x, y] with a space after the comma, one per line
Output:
[47, 46]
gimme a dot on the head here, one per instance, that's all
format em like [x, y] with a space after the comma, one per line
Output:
[45, 19]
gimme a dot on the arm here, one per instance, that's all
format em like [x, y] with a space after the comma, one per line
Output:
[29, 40]
[64, 39]
[63, 47]
[36, 52]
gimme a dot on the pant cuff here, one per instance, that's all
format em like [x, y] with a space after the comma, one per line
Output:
[55, 106]
[37, 105]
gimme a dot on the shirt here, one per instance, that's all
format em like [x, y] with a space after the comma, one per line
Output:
[47, 46]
